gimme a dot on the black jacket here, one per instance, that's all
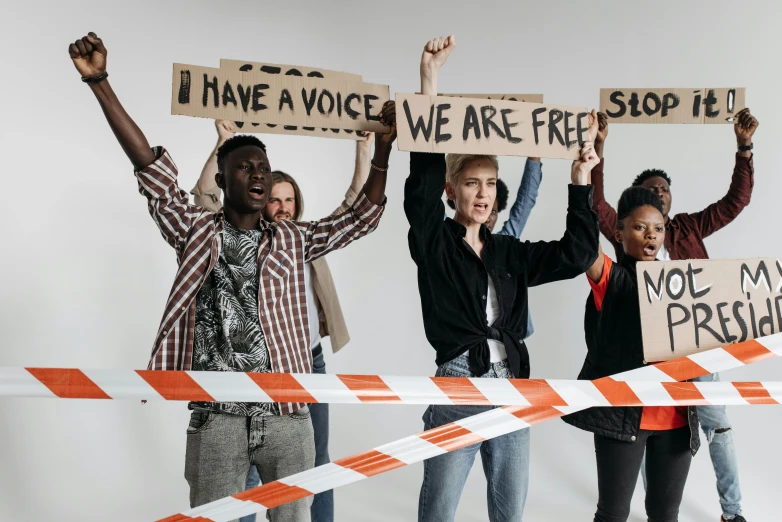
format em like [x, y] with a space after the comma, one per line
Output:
[614, 345]
[453, 282]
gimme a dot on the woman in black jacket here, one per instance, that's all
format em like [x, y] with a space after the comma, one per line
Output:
[612, 324]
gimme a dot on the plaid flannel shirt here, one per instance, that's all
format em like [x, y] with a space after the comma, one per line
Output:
[196, 235]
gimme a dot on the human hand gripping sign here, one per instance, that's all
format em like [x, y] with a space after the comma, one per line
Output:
[579, 171]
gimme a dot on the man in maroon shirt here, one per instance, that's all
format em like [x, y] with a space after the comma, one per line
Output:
[684, 235]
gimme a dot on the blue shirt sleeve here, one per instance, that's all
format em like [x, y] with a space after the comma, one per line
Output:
[525, 199]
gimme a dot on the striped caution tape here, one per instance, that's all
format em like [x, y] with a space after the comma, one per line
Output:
[654, 385]
[465, 432]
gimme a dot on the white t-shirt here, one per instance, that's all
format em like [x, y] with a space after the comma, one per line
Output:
[312, 307]
[662, 254]
[496, 348]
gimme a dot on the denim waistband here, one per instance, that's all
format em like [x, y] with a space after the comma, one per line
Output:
[461, 366]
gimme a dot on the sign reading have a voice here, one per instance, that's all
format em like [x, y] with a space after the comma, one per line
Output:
[695, 305]
[484, 126]
[672, 105]
[293, 70]
[254, 96]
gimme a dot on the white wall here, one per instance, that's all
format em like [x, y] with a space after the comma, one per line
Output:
[84, 273]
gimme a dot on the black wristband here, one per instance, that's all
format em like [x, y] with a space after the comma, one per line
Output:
[95, 79]
[744, 148]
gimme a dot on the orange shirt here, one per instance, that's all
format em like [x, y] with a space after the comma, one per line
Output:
[653, 417]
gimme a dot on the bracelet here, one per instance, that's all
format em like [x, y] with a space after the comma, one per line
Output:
[95, 79]
[376, 167]
[744, 148]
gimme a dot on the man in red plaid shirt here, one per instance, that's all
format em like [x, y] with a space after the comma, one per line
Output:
[238, 301]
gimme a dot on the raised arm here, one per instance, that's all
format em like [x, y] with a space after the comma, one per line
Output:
[436, 53]
[576, 252]
[362, 216]
[606, 214]
[155, 171]
[360, 171]
[207, 193]
[526, 197]
[375, 186]
[89, 57]
[425, 185]
[722, 212]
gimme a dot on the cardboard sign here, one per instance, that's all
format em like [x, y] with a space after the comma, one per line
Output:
[480, 126]
[293, 70]
[695, 305]
[529, 98]
[257, 97]
[671, 105]
[287, 70]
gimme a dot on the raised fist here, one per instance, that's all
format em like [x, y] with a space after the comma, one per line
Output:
[745, 126]
[88, 55]
[436, 52]
[225, 129]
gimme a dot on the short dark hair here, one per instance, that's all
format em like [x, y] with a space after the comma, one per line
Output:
[651, 173]
[279, 176]
[231, 144]
[633, 198]
[502, 196]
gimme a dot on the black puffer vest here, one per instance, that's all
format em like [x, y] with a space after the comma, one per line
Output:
[614, 345]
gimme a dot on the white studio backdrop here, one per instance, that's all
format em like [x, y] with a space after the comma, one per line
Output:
[85, 274]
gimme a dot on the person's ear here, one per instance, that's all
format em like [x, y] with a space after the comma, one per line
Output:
[449, 192]
[618, 236]
[220, 180]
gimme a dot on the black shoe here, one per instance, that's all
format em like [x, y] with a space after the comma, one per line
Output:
[737, 518]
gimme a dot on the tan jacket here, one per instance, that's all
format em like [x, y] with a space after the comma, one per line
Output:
[332, 322]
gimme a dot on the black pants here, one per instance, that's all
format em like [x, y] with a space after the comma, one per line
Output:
[668, 461]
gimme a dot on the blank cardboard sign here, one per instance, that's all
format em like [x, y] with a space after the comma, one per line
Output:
[293, 70]
[672, 105]
[257, 97]
[695, 305]
[482, 126]
[529, 98]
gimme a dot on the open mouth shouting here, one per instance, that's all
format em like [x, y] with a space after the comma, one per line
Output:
[481, 207]
[650, 249]
[257, 191]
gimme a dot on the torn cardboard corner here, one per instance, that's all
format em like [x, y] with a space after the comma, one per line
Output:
[529, 98]
[483, 126]
[697, 105]
[696, 305]
[257, 97]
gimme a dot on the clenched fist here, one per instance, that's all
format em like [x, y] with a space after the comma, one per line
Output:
[88, 55]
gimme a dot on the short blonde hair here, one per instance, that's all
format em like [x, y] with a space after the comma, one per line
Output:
[455, 163]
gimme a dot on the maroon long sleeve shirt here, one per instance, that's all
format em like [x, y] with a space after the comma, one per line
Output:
[684, 233]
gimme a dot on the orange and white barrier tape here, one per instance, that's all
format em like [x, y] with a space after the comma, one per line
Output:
[472, 430]
[649, 386]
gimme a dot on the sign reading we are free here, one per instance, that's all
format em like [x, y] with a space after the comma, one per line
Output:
[488, 126]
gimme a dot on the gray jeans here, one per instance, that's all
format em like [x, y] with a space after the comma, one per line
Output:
[220, 448]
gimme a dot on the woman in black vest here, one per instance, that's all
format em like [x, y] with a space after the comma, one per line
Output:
[612, 324]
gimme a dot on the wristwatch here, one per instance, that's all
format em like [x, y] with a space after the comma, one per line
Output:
[744, 148]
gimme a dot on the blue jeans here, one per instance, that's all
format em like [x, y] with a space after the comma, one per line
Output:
[323, 504]
[505, 460]
[716, 426]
